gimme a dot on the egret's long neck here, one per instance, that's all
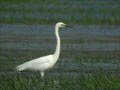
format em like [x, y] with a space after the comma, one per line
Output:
[57, 51]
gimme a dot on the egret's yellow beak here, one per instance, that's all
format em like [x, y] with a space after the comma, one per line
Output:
[64, 25]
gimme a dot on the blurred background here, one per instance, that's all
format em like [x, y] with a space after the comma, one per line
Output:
[80, 12]
[91, 46]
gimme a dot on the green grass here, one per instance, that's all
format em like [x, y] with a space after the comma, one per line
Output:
[47, 20]
[99, 81]
[30, 1]
[95, 59]
[83, 78]
[94, 12]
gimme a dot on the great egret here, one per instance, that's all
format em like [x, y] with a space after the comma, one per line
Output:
[46, 62]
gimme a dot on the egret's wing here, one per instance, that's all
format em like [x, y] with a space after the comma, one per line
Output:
[34, 62]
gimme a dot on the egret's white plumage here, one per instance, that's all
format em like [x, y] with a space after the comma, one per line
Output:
[46, 62]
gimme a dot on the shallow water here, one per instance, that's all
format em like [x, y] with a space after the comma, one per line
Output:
[31, 38]
[42, 36]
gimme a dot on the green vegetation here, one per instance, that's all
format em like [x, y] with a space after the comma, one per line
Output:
[47, 12]
[92, 60]
[99, 81]
[84, 78]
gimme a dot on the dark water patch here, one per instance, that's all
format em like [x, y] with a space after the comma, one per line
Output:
[41, 28]
[85, 46]
[6, 67]
[42, 36]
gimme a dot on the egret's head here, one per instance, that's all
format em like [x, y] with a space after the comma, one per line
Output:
[60, 24]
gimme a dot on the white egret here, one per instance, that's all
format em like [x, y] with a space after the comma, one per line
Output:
[46, 62]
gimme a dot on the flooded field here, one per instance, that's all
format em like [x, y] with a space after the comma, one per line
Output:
[85, 50]
[77, 39]
[90, 51]
[83, 42]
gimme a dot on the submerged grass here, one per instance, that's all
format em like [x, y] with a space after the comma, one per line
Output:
[80, 79]
[98, 81]
[83, 78]
[94, 59]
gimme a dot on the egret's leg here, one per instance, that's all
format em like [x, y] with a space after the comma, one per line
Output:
[42, 74]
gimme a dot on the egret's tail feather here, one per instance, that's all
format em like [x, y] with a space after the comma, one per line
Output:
[19, 68]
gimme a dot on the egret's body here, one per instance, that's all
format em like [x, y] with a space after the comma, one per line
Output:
[46, 62]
